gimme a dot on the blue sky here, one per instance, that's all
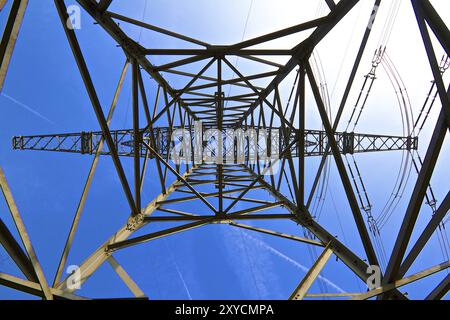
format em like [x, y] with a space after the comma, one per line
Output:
[44, 94]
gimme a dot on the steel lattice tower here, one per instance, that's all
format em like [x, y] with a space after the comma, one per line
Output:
[230, 182]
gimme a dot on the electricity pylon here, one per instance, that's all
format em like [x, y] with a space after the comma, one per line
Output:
[261, 109]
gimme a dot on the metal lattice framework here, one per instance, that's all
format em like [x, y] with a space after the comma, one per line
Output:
[261, 108]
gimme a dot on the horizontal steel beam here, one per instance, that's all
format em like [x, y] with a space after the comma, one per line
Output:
[223, 218]
[219, 50]
[315, 142]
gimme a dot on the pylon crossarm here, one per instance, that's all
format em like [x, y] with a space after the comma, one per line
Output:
[315, 143]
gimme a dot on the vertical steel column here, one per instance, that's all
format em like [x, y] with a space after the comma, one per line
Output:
[136, 137]
[301, 141]
[220, 141]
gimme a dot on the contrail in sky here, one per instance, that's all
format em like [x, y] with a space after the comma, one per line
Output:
[182, 279]
[27, 108]
[178, 271]
[291, 261]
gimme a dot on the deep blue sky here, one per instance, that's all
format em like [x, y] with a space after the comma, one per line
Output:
[214, 261]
